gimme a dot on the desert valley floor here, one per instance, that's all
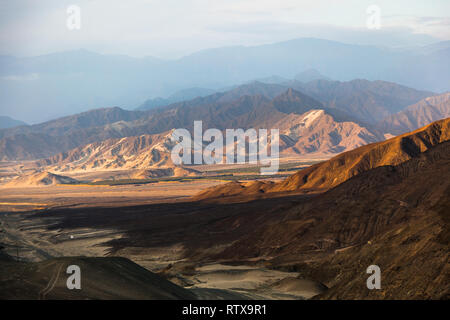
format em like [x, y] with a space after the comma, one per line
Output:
[35, 228]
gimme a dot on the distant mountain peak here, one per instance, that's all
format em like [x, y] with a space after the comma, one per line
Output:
[310, 75]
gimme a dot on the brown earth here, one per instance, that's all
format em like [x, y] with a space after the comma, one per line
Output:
[40, 179]
[417, 115]
[337, 170]
[391, 209]
[102, 278]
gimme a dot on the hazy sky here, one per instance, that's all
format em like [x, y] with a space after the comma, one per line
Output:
[170, 29]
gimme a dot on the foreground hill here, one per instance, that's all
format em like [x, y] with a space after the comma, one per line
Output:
[395, 217]
[390, 152]
[335, 171]
[417, 115]
[102, 278]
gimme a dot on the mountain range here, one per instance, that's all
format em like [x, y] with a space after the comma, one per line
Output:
[68, 82]
[337, 170]
[389, 208]
[253, 105]
[146, 156]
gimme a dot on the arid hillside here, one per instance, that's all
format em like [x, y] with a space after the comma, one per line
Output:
[337, 170]
[146, 151]
[417, 115]
[102, 278]
[44, 178]
[253, 105]
[393, 214]
[396, 217]
[318, 132]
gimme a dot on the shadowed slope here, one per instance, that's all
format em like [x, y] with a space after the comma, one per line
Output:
[396, 217]
[101, 278]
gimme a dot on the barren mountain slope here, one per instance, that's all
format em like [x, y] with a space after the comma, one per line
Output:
[314, 132]
[333, 172]
[396, 217]
[102, 278]
[148, 154]
[251, 105]
[317, 132]
[417, 115]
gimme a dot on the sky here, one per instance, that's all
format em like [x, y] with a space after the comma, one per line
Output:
[170, 29]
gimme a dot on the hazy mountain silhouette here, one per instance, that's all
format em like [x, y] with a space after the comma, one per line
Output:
[310, 75]
[81, 80]
[8, 122]
[252, 105]
[368, 101]
[182, 95]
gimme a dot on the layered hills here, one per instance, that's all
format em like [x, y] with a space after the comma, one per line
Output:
[417, 115]
[342, 167]
[147, 156]
[393, 216]
[303, 130]
[251, 105]
[390, 208]
[390, 152]
[79, 79]
[368, 101]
